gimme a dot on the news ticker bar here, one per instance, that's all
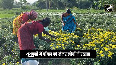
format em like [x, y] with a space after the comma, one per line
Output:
[57, 53]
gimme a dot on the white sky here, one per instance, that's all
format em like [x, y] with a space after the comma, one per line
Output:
[30, 1]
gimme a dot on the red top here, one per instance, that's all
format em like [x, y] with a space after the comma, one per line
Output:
[36, 27]
[25, 34]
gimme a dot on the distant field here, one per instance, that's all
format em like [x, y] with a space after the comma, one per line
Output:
[13, 12]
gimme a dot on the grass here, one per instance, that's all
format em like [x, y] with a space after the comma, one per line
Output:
[6, 15]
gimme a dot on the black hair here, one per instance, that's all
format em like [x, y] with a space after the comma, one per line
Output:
[46, 20]
[68, 11]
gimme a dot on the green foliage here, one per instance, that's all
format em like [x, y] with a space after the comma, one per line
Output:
[7, 4]
[82, 4]
[26, 7]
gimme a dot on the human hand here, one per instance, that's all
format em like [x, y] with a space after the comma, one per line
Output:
[78, 26]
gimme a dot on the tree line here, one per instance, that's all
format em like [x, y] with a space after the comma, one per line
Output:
[57, 4]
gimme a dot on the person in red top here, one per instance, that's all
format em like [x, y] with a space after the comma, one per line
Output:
[28, 29]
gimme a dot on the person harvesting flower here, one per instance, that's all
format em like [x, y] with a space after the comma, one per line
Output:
[28, 29]
[69, 22]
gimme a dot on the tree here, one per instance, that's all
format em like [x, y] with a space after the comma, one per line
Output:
[7, 4]
[22, 2]
[0, 3]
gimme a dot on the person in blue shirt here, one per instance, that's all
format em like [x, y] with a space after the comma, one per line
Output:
[69, 22]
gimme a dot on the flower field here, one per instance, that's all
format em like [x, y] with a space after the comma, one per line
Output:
[97, 31]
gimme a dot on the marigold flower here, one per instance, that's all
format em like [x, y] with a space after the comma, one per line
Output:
[106, 49]
[101, 52]
[102, 55]
[113, 46]
[3, 64]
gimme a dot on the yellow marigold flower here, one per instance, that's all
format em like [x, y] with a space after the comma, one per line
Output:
[93, 28]
[110, 44]
[63, 48]
[99, 29]
[113, 41]
[60, 31]
[109, 55]
[62, 44]
[72, 41]
[56, 46]
[3, 64]
[102, 40]
[53, 48]
[84, 47]
[78, 45]
[49, 30]
[67, 37]
[51, 45]
[106, 49]
[59, 44]
[102, 55]
[89, 37]
[36, 35]
[72, 33]
[93, 45]
[113, 46]
[18, 62]
[102, 45]
[96, 49]
[101, 52]
[67, 42]
[109, 52]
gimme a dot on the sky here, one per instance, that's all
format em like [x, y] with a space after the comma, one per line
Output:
[30, 1]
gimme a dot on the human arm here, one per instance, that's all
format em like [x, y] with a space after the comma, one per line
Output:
[62, 19]
[75, 23]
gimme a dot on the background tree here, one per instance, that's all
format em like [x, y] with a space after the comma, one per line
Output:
[7, 4]
[41, 4]
[82, 4]
[23, 2]
[0, 3]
